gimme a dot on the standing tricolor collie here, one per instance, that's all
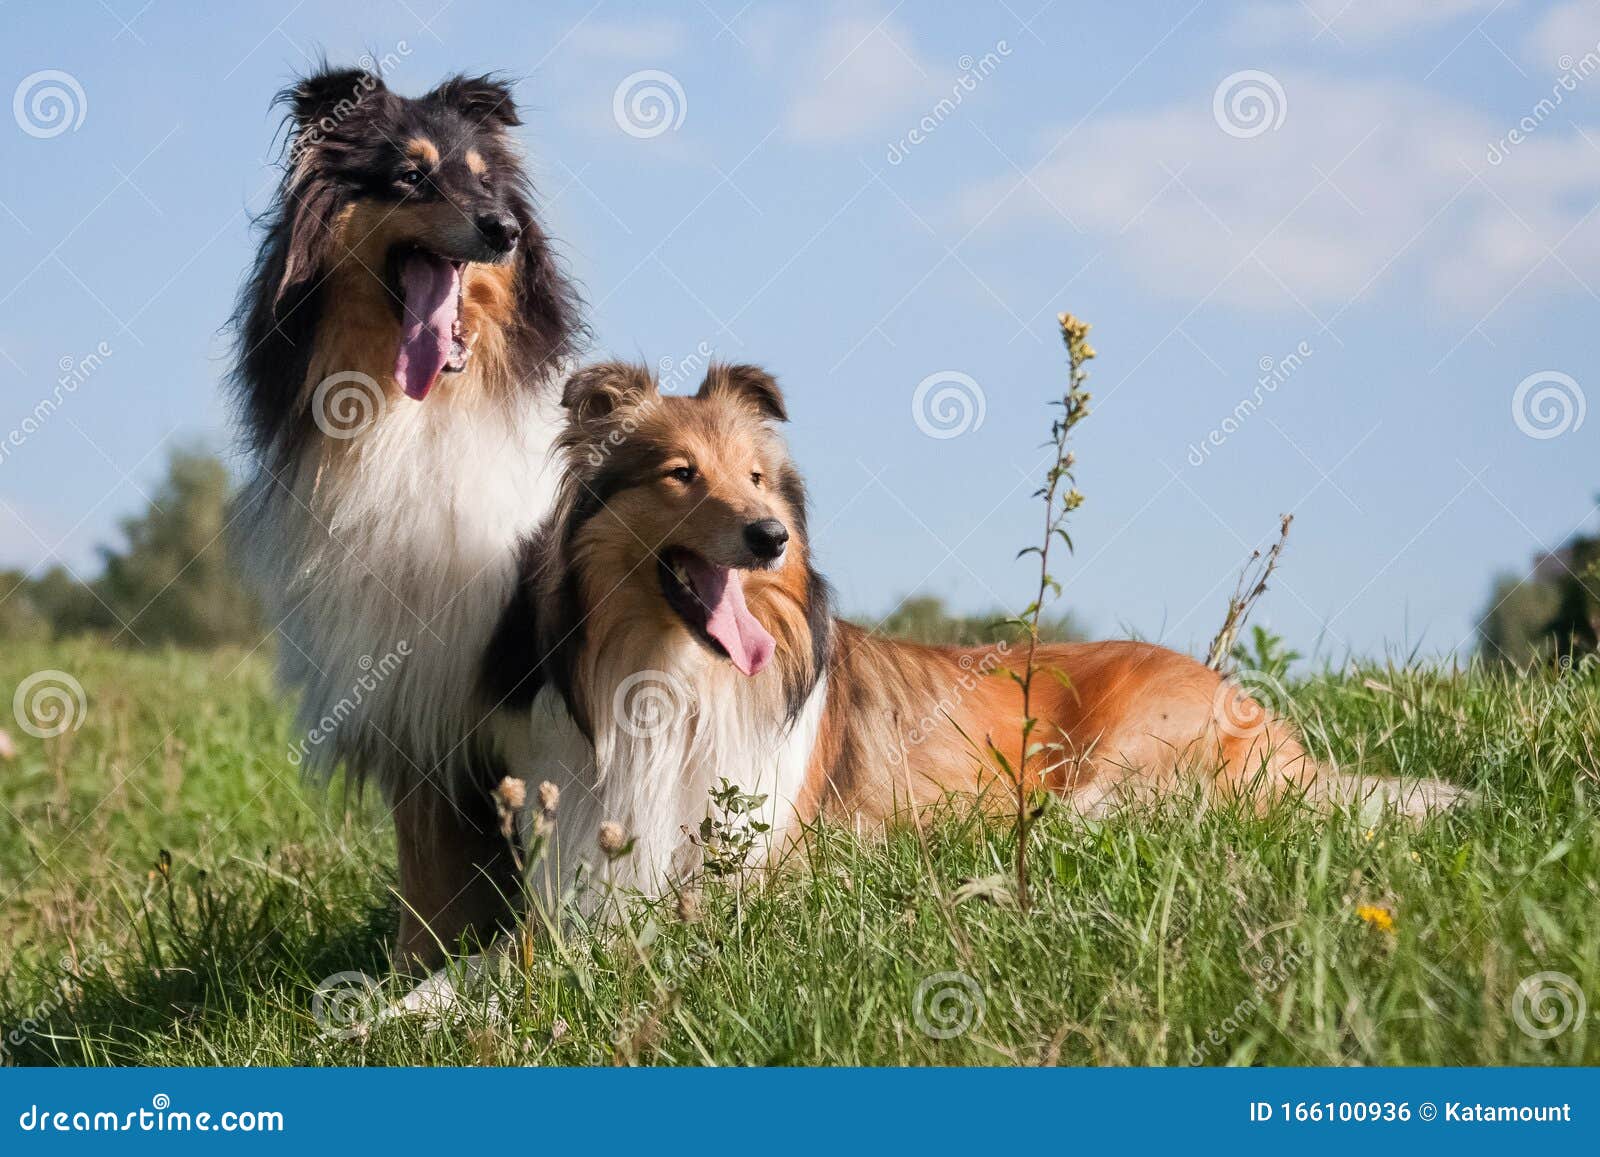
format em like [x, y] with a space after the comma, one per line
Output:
[401, 338]
[671, 632]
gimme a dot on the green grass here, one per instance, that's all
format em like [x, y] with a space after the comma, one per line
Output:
[1157, 938]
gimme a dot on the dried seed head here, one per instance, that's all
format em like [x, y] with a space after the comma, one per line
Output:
[549, 798]
[511, 794]
[688, 907]
[612, 838]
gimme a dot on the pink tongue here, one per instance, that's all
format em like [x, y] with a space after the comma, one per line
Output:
[728, 620]
[431, 287]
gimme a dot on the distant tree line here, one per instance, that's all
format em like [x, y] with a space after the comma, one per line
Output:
[1552, 612]
[170, 583]
[924, 619]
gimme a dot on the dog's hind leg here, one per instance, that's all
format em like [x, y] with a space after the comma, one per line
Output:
[458, 874]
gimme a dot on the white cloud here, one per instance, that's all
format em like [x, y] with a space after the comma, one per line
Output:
[1363, 179]
[1348, 21]
[641, 39]
[633, 61]
[863, 76]
[1564, 34]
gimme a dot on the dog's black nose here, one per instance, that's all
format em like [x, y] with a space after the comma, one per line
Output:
[499, 229]
[767, 538]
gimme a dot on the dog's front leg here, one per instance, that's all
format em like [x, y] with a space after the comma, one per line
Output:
[458, 875]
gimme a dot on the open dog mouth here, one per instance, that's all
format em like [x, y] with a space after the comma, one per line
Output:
[432, 339]
[710, 601]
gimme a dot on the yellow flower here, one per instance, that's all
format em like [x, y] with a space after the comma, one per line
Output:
[1380, 918]
[1075, 333]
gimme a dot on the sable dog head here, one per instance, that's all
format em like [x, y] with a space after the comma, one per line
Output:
[408, 225]
[688, 518]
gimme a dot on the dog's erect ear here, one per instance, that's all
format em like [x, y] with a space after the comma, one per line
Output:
[483, 100]
[596, 394]
[329, 95]
[750, 384]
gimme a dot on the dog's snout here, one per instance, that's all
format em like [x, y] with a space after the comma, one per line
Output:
[499, 229]
[766, 538]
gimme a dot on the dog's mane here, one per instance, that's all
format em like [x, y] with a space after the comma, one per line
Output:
[333, 124]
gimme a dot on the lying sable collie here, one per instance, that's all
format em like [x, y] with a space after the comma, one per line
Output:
[670, 631]
[400, 347]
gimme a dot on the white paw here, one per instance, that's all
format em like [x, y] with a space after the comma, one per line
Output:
[447, 996]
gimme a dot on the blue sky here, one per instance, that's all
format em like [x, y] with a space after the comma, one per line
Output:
[1329, 189]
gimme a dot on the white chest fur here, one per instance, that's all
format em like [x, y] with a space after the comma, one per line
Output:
[662, 746]
[385, 567]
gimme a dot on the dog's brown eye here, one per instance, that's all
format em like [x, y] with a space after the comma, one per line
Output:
[684, 474]
[755, 476]
[412, 177]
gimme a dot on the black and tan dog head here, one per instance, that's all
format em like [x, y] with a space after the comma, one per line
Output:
[437, 175]
[688, 514]
[414, 219]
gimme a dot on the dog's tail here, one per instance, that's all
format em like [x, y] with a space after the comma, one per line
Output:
[1267, 763]
[1372, 796]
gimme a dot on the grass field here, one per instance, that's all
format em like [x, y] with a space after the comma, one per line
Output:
[171, 895]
